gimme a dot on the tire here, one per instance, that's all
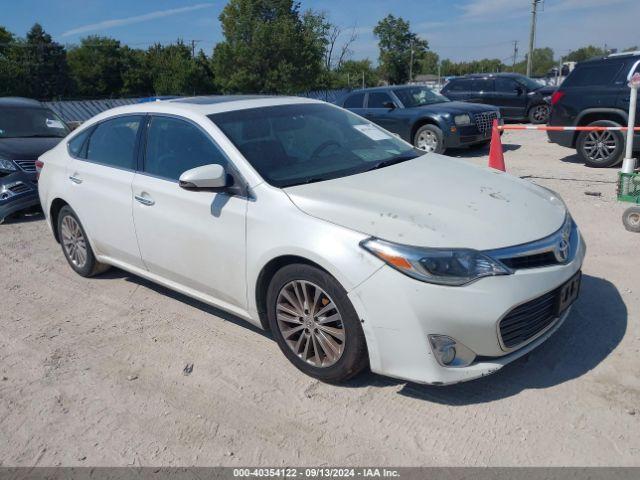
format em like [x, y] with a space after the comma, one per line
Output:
[539, 114]
[601, 149]
[75, 245]
[335, 360]
[631, 219]
[429, 138]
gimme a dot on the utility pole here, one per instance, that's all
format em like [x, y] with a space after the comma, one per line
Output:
[193, 48]
[532, 35]
[411, 63]
[515, 54]
[363, 79]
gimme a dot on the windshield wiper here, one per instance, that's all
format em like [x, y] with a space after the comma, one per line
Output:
[392, 161]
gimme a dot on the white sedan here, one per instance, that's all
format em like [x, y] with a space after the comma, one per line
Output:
[352, 247]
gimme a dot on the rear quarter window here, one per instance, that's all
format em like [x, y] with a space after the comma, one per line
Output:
[593, 75]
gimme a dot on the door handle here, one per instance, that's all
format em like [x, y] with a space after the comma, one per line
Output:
[144, 200]
[75, 179]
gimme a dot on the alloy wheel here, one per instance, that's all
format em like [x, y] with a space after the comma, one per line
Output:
[310, 323]
[73, 241]
[427, 141]
[541, 113]
[600, 146]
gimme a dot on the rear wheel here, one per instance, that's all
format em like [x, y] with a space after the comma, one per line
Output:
[631, 219]
[429, 138]
[539, 113]
[75, 245]
[315, 324]
[601, 149]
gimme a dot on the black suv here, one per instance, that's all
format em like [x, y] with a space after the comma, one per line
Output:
[518, 96]
[27, 130]
[596, 93]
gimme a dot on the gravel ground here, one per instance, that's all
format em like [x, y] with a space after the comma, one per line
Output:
[91, 371]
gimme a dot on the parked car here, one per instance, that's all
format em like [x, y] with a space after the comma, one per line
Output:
[596, 93]
[428, 120]
[27, 130]
[352, 246]
[519, 97]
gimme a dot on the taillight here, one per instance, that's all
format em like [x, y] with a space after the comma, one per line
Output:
[556, 97]
[39, 166]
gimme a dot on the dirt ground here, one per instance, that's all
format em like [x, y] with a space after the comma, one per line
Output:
[91, 371]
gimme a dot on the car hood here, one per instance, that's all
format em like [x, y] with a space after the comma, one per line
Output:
[26, 148]
[546, 91]
[456, 108]
[435, 201]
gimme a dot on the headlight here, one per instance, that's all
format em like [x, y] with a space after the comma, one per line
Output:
[462, 120]
[547, 99]
[457, 266]
[7, 166]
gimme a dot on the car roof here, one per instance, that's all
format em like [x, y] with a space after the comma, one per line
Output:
[19, 102]
[490, 75]
[613, 57]
[384, 88]
[205, 105]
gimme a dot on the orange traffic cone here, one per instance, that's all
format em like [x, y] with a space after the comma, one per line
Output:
[496, 158]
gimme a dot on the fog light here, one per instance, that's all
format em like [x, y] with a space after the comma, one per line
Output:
[449, 352]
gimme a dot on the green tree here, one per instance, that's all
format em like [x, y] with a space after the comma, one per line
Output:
[268, 47]
[44, 63]
[429, 63]
[582, 54]
[174, 72]
[542, 62]
[396, 41]
[350, 74]
[136, 78]
[96, 67]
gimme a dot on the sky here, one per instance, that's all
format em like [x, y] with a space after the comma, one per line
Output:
[455, 29]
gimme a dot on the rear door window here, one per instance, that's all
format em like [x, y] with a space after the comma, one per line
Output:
[458, 86]
[175, 146]
[78, 144]
[355, 101]
[113, 142]
[600, 74]
[481, 85]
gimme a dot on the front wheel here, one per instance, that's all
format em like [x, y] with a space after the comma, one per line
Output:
[631, 219]
[429, 138]
[601, 148]
[539, 114]
[315, 324]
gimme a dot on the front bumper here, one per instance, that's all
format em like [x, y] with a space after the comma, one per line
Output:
[467, 136]
[399, 313]
[25, 195]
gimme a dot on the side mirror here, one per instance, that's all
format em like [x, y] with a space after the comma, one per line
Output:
[389, 105]
[208, 176]
[519, 90]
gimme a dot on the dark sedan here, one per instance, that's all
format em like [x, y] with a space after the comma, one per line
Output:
[423, 117]
[27, 130]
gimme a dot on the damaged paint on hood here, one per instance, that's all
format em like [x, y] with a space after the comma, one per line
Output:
[436, 201]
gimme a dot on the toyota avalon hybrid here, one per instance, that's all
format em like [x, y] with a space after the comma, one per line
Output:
[354, 248]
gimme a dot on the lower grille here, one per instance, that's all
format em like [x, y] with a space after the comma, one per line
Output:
[19, 187]
[527, 320]
[484, 120]
[27, 165]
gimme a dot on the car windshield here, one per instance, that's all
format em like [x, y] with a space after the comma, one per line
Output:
[18, 122]
[530, 83]
[417, 96]
[304, 143]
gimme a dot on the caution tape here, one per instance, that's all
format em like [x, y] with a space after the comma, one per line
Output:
[564, 129]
